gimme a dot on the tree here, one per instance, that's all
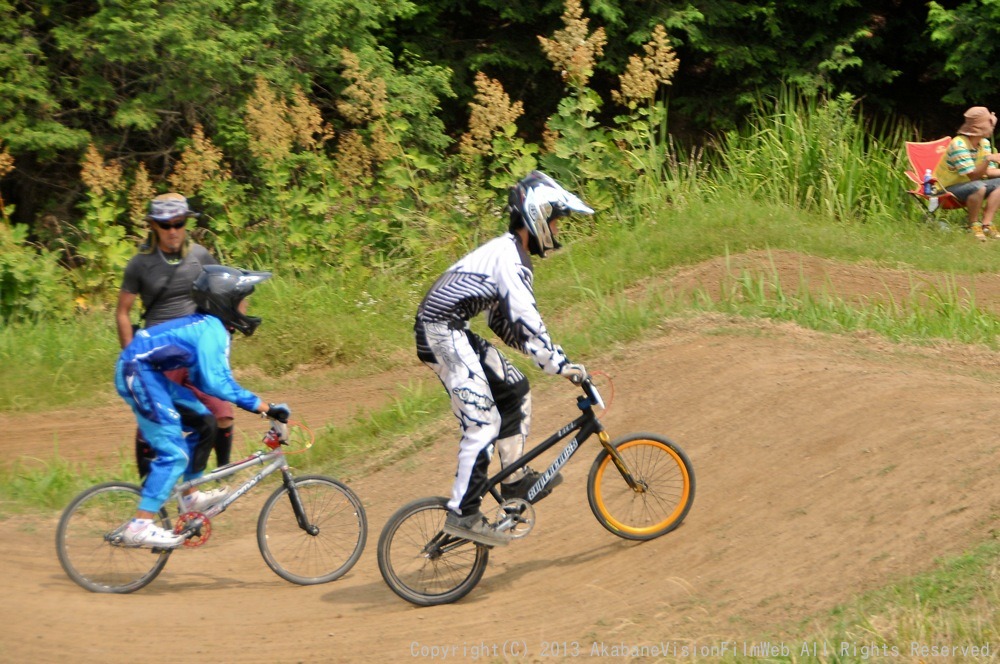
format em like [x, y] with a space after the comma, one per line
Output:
[968, 35]
[136, 77]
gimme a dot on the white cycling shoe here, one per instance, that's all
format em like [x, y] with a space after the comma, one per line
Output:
[149, 536]
[199, 501]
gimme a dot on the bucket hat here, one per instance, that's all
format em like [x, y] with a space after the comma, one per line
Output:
[978, 122]
[167, 206]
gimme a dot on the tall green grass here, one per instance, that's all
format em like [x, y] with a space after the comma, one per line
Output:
[308, 322]
[819, 156]
[48, 365]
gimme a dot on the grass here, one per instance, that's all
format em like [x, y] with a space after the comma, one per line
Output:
[939, 314]
[323, 323]
[947, 614]
[49, 484]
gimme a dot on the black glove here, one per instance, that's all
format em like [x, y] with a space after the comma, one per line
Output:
[278, 411]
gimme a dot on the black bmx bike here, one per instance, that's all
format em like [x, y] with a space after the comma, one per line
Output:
[640, 487]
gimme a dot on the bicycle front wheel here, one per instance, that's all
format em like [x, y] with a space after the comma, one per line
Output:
[421, 563]
[89, 541]
[324, 547]
[664, 487]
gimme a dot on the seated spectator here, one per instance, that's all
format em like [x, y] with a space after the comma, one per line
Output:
[966, 171]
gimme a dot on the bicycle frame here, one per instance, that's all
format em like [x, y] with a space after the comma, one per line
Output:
[272, 461]
[585, 426]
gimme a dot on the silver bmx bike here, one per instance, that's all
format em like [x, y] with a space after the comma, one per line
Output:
[311, 530]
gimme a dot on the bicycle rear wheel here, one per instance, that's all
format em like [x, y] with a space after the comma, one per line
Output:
[89, 541]
[664, 494]
[332, 540]
[422, 564]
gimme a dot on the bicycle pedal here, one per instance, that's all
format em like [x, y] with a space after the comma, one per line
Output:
[515, 518]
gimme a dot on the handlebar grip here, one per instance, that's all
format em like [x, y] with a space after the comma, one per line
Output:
[591, 391]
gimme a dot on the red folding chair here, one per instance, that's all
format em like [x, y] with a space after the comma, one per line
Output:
[924, 156]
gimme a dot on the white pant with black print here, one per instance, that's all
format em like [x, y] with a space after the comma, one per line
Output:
[491, 401]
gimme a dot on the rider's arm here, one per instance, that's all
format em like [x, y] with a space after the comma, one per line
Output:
[517, 321]
[211, 373]
[133, 280]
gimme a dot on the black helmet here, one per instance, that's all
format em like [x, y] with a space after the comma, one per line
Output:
[218, 291]
[534, 202]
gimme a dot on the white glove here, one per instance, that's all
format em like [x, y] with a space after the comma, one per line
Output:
[576, 373]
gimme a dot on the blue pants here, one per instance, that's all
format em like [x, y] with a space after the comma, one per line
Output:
[153, 398]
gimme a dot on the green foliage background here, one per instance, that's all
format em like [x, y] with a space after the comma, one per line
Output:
[321, 137]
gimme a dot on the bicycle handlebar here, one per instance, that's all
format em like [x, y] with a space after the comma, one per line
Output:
[277, 435]
[591, 391]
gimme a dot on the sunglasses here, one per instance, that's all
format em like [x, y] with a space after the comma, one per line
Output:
[168, 226]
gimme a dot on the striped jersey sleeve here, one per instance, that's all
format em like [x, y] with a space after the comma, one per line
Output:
[495, 278]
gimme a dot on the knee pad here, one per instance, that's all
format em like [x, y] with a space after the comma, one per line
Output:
[515, 416]
[510, 449]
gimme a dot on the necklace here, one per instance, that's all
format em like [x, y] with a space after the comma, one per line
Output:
[171, 259]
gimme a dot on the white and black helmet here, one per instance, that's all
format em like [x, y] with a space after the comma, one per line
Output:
[218, 291]
[534, 202]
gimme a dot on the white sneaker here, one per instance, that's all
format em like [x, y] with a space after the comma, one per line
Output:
[145, 534]
[199, 501]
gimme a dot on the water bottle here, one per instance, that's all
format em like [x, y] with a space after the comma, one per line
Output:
[928, 179]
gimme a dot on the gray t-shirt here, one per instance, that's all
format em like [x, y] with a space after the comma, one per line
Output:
[146, 274]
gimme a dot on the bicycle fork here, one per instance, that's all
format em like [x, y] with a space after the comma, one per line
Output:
[636, 485]
[296, 500]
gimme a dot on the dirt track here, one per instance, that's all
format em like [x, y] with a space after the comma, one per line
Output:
[825, 466]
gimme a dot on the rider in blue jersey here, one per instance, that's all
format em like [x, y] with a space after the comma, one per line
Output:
[199, 343]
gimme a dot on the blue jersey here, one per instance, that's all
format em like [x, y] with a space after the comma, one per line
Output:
[199, 343]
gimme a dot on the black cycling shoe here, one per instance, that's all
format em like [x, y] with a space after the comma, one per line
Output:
[520, 488]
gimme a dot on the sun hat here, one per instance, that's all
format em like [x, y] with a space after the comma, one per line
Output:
[978, 122]
[167, 206]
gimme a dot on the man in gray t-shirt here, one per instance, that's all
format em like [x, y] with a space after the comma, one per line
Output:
[163, 281]
[161, 275]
